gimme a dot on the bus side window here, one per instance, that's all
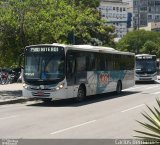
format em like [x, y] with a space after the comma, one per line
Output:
[102, 63]
[90, 62]
[81, 62]
[97, 62]
[109, 62]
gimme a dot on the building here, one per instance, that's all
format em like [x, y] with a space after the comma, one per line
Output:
[152, 26]
[130, 13]
[145, 11]
[115, 12]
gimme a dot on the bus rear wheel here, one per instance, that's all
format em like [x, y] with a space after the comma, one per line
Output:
[119, 87]
[81, 94]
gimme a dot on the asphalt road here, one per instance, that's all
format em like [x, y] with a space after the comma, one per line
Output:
[106, 116]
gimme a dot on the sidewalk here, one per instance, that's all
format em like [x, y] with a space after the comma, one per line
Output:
[11, 93]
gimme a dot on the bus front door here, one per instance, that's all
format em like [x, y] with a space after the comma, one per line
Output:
[70, 76]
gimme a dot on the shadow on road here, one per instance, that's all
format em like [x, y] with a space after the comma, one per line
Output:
[88, 100]
[147, 82]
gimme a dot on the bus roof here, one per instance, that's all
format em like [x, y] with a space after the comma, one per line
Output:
[90, 48]
[144, 55]
[101, 49]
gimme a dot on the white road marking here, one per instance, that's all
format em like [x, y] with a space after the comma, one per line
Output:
[140, 87]
[133, 88]
[8, 117]
[155, 93]
[62, 130]
[132, 108]
[151, 87]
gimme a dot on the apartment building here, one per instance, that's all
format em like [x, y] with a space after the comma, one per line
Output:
[145, 11]
[152, 26]
[115, 12]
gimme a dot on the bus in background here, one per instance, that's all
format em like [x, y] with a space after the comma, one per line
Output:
[146, 67]
[57, 71]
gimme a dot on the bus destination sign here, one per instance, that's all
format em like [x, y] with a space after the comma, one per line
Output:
[144, 57]
[45, 49]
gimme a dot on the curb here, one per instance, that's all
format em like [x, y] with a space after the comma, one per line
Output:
[14, 101]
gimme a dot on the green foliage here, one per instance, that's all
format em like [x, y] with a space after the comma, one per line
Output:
[153, 125]
[151, 47]
[85, 3]
[33, 22]
[140, 41]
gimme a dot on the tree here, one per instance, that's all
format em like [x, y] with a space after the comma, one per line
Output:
[135, 40]
[85, 3]
[33, 22]
[150, 47]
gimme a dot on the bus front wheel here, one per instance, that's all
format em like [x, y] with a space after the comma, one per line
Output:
[81, 94]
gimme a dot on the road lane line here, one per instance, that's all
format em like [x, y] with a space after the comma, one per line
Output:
[151, 87]
[133, 88]
[62, 130]
[132, 108]
[140, 87]
[155, 93]
[8, 117]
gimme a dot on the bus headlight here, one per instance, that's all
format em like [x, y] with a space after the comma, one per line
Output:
[61, 86]
[25, 86]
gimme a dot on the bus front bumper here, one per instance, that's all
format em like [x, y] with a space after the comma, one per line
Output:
[153, 78]
[45, 94]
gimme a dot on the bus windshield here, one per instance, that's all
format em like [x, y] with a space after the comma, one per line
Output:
[44, 66]
[145, 65]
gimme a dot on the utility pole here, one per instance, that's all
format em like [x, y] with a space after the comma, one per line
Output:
[138, 15]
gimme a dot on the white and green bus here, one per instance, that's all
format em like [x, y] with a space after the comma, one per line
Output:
[146, 67]
[57, 71]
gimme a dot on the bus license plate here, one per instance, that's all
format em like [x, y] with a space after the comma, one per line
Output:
[40, 93]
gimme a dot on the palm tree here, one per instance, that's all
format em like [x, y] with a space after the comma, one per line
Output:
[153, 125]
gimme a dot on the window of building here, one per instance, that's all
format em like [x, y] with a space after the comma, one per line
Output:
[157, 3]
[144, 2]
[157, 9]
[150, 3]
[150, 17]
[117, 8]
[157, 17]
[143, 8]
[103, 15]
